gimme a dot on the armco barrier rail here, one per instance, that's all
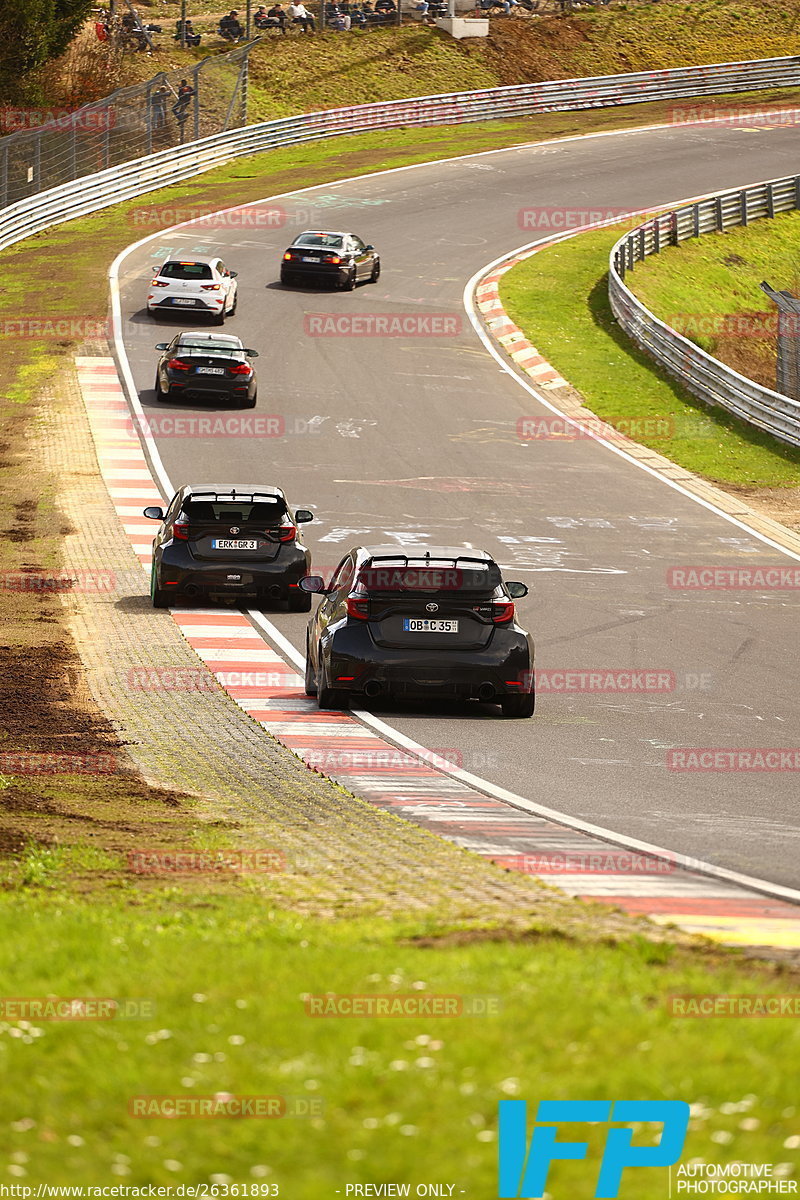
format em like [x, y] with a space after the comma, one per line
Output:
[105, 187]
[704, 376]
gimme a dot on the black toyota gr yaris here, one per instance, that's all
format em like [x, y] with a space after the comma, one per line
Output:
[424, 622]
[230, 543]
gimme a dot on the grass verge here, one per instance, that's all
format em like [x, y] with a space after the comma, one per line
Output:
[699, 285]
[559, 297]
[406, 1099]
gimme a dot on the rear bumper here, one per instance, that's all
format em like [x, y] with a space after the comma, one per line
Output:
[200, 387]
[199, 305]
[320, 271]
[504, 668]
[179, 574]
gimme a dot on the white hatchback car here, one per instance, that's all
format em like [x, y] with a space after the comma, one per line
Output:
[193, 284]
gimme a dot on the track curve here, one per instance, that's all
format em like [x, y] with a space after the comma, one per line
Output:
[415, 438]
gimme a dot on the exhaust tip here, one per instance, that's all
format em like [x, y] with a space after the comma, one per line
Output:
[372, 689]
[190, 589]
[486, 691]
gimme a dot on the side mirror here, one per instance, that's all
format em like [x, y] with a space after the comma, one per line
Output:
[154, 514]
[162, 345]
[312, 583]
[251, 353]
[302, 515]
[516, 590]
[233, 274]
[370, 247]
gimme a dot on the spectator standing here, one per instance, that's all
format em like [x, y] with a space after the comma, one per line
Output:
[181, 106]
[299, 15]
[158, 106]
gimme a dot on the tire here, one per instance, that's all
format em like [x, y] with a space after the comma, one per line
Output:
[350, 282]
[519, 706]
[160, 598]
[299, 601]
[286, 279]
[250, 402]
[235, 303]
[311, 679]
[160, 393]
[328, 697]
[376, 271]
[219, 318]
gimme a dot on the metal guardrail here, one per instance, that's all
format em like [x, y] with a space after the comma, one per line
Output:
[704, 376]
[122, 182]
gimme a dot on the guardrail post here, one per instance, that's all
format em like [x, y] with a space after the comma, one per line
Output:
[797, 191]
[657, 236]
[770, 200]
[37, 164]
[743, 206]
[4, 179]
[642, 255]
[696, 211]
[196, 100]
[720, 214]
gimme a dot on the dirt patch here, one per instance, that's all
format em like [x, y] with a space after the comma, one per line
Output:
[781, 504]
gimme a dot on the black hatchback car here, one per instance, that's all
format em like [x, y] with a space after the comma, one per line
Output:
[340, 258]
[230, 543]
[200, 365]
[425, 622]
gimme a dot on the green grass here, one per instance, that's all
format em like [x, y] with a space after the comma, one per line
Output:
[403, 1099]
[559, 297]
[718, 275]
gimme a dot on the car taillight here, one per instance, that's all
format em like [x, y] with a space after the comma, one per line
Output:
[180, 529]
[288, 256]
[177, 364]
[209, 287]
[331, 258]
[503, 611]
[283, 533]
[358, 606]
[159, 283]
[241, 369]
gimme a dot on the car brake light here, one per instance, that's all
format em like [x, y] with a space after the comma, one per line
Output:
[241, 369]
[503, 611]
[180, 529]
[332, 258]
[358, 606]
[177, 364]
[159, 283]
[283, 533]
[288, 256]
[209, 287]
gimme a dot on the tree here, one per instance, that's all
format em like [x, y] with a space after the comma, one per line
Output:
[32, 32]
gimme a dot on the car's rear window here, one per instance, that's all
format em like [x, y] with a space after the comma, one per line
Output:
[235, 512]
[329, 241]
[189, 343]
[186, 270]
[427, 575]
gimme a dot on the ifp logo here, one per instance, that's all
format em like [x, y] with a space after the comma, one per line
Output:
[523, 1170]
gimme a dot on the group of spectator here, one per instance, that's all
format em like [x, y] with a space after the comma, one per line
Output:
[279, 17]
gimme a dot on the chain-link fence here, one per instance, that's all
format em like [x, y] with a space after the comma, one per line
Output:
[172, 108]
